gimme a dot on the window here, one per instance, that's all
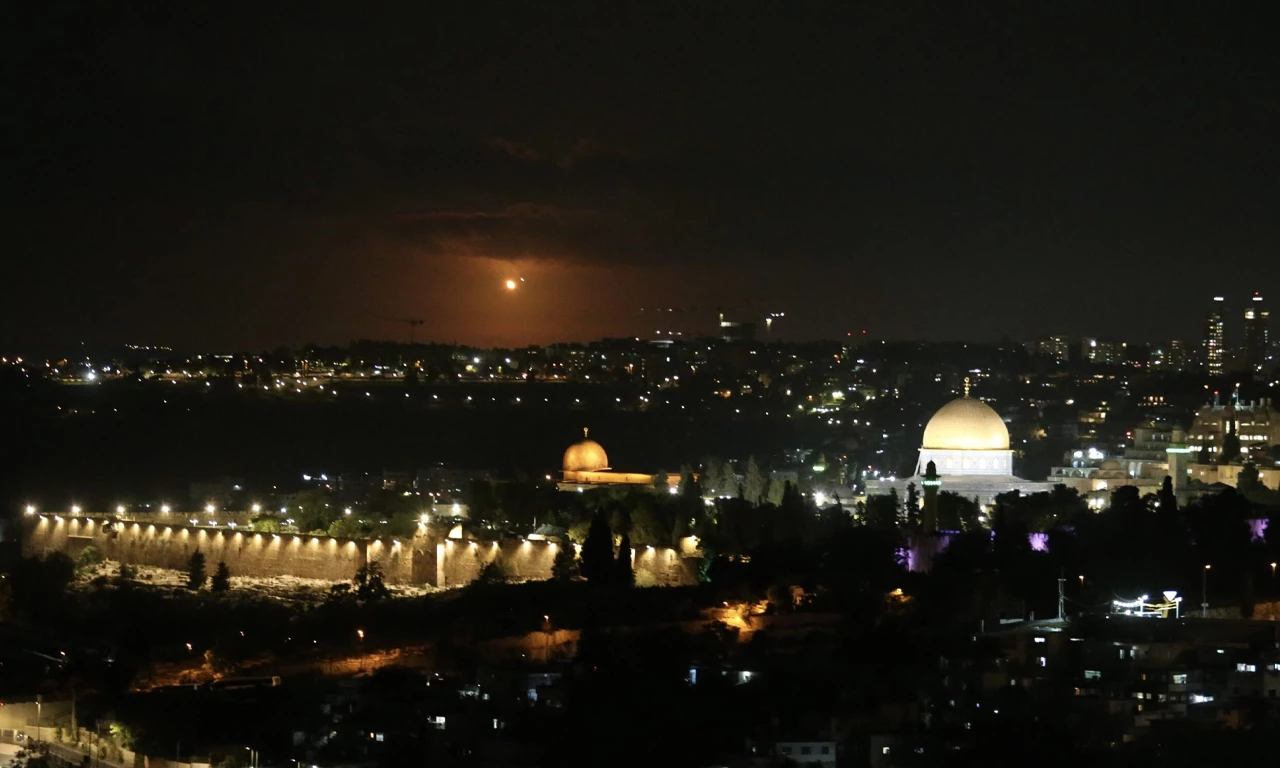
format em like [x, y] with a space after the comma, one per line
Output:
[806, 750]
[884, 750]
[1093, 674]
[1179, 678]
[1043, 661]
[827, 750]
[1242, 667]
[786, 750]
[1040, 640]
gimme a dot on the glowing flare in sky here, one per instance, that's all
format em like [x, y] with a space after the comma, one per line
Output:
[511, 285]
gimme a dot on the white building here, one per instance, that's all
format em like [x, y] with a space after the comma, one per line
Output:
[968, 442]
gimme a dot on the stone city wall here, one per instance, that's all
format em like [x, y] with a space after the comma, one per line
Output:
[170, 546]
[420, 560]
[459, 561]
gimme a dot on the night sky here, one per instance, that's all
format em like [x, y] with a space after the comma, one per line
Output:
[250, 175]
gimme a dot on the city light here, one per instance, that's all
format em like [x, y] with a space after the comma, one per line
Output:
[164, 508]
[31, 510]
[75, 509]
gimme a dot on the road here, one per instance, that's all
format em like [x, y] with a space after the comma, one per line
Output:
[76, 757]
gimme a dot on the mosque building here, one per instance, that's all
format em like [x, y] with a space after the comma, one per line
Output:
[586, 466]
[968, 443]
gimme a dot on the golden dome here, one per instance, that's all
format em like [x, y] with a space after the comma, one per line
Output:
[966, 424]
[585, 456]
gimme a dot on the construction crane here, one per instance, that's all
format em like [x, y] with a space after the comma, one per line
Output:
[412, 322]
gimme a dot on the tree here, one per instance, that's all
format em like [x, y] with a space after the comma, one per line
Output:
[882, 511]
[1167, 500]
[1230, 445]
[348, 528]
[624, 576]
[597, 551]
[754, 483]
[125, 575]
[482, 501]
[1246, 482]
[912, 508]
[492, 573]
[196, 576]
[221, 581]
[368, 583]
[266, 523]
[727, 482]
[957, 513]
[565, 565]
[310, 510]
[91, 557]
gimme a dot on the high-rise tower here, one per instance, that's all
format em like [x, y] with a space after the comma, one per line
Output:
[1215, 337]
[1257, 342]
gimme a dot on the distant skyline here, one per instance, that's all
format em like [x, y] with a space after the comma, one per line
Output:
[246, 178]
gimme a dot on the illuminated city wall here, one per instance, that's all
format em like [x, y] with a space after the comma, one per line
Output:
[171, 546]
[459, 562]
[420, 560]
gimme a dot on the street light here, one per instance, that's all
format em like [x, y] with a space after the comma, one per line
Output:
[1204, 592]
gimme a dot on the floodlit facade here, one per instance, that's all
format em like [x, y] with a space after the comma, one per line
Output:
[968, 443]
[1256, 423]
[586, 465]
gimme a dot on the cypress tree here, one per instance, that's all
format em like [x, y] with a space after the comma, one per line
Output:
[624, 576]
[196, 576]
[597, 551]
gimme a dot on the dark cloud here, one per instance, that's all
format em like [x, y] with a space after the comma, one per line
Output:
[513, 148]
[924, 169]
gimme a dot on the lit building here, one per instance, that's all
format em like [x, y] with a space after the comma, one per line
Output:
[1256, 424]
[1104, 351]
[1215, 337]
[1057, 347]
[1255, 352]
[733, 330]
[586, 465]
[1173, 356]
[968, 443]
